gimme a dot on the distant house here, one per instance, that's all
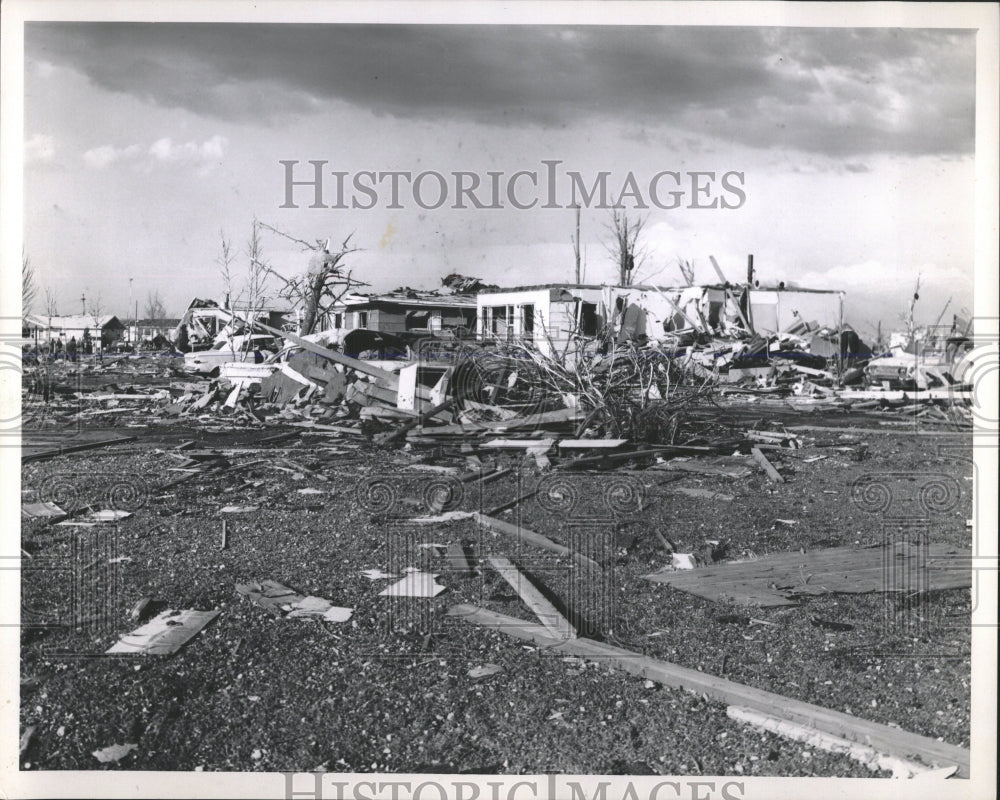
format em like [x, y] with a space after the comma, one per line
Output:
[548, 315]
[402, 311]
[104, 329]
[146, 330]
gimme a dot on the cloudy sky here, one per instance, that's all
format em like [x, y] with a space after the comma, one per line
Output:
[144, 141]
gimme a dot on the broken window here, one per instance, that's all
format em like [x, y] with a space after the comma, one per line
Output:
[528, 320]
[501, 319]
[417, 319]
[714, 312]
[588, 319]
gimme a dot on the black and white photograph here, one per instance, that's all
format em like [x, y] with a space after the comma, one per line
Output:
[499, 402]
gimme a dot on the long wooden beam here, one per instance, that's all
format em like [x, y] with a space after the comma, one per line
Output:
[75, 448]
[892, 741]
[555, 623]
[532, 538]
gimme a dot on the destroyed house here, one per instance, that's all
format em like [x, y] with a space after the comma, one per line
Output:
[721, 308]
[403, 311]
[548, 314]
[210, 324]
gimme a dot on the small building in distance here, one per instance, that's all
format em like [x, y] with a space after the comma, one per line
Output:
[147, 330]
[103, 329]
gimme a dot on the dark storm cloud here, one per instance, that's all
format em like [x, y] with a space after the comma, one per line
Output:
[831, 91]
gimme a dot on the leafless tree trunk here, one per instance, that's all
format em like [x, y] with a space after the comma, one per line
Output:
[225, 261]
[257, 272]
[154, 306]
[51, 302]
[95, 308]
[325, 282]
[687, 270]
[29, 289]
[624, 246]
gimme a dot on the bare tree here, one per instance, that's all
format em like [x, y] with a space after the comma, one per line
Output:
[51, 302]
[29, 289]
[225, 261]
[248, 298]
[687, 271]
[154, 306]
[95, 308]
[910, 326]
[257, 272]
[325, 282]
[624, 246]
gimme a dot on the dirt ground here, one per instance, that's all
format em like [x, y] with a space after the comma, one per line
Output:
[390, 691]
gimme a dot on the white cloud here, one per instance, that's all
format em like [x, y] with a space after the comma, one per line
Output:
[100, 157]
[44, 69]
[211, 149]
[39, 147]
[166, 150]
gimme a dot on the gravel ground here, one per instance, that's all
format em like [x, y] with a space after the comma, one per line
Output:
[390, 690]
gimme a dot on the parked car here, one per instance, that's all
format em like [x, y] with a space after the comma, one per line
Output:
[251, 349]
[254, 372]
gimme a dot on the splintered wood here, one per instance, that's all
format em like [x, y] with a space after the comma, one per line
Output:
[776, 580]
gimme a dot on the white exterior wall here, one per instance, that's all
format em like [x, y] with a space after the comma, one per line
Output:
[553, 320]
[821, 307]
[653, 302]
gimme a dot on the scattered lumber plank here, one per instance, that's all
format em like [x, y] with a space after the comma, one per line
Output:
[532, 538]
[892, 741]
[660, 450]
[857, 751]
[559, 415]
[766, 465]
[458, 560]
[76, 448]
[517, 444]
[777, 580]
[511, 503]
[554, 622]
[402, 430]
[590, 444]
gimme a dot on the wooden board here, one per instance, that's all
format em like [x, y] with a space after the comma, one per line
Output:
[532, 538]
[777, 579]
[30, 447]
[555, 623]
[518, 444]
[590, 444]
[891, 741]
[766, 465]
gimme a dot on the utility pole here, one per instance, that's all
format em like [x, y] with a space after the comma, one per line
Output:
[135, 322]
[576, 243]
[83, 304]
